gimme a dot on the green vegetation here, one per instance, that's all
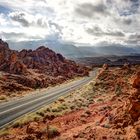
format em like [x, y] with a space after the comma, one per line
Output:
[118, 90]
[52, 132]
[100, 100]
[4, 132]
[88, 112]
[106, 126]
[42, 114]
[3, 97]
[26, 119]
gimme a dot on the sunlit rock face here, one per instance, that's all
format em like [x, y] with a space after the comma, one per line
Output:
[135, 99]
[136, 83]
[35, 68]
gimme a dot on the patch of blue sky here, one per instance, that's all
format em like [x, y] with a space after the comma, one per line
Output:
[5, 10]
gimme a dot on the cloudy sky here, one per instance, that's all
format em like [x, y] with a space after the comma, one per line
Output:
[90, 22]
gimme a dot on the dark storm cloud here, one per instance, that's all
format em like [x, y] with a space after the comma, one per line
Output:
[20, 17]
[135, 5]
[14, 35]
[132, 41]
[11, 35]
[127, 21]
[72, 20]
[24, 20]
[134, 38]
[88, 9]
[99, 32]
[58, 27]
[40, 23]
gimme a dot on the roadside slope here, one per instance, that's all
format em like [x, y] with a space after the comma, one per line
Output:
[104, 105]
[11, 110]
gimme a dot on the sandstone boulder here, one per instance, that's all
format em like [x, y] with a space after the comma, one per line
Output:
[136, 82]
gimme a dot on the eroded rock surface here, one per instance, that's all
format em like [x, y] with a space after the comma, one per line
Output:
[34, 68]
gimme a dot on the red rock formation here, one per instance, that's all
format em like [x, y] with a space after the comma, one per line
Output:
[50, 63]
[37, 68]
[136, 83]
[134, 109]
[16, 66]
[43, 59]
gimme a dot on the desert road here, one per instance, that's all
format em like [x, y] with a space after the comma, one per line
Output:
[14, 109]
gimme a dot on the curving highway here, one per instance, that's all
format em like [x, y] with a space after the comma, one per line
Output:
[14, 109]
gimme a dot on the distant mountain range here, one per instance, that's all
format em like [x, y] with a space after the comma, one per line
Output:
[73, 51]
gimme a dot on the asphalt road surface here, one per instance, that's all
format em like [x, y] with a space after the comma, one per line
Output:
[14, 109]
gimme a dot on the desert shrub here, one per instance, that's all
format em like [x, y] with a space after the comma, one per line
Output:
[25, 120]
[79, 104]
[61, 99]
[31, 117]
[118, 90]
[53, 132]
[4, 133]
[84, 105]
[36, 118]
[42, 114]
[83, 115]
[62, 107]
[19, 123]
[88, 112]
[106, 125]
[100, 100]
[72, 107]
[48, 109]
[97, 123]
[49, 116]
[16, 124]
[55, 110]
[3, 97]
[90, 99]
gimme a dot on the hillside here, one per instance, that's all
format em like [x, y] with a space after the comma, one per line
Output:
[109, 104]
[110, 60]
[32, 69]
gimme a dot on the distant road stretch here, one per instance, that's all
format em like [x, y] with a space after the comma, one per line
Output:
[14, 109]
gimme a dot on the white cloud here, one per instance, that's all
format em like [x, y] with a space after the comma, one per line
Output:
[3, 20]
[75, 21]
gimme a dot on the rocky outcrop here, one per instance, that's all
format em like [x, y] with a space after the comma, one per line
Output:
[134, 109]
[36, 68]
[9, 61]
[110, 106]
[16, 66]
[43, 59]
[136, 82]
[50, 63]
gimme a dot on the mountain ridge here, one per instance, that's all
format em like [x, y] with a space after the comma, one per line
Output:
[31, 69]
[70, 50]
